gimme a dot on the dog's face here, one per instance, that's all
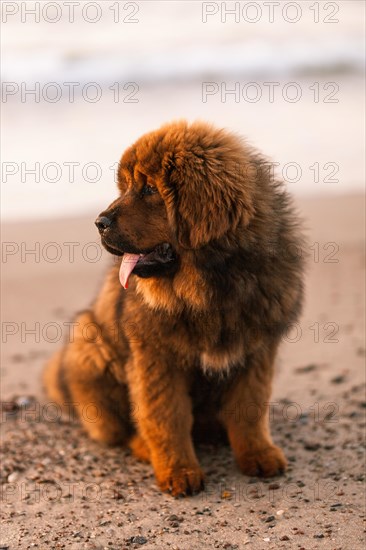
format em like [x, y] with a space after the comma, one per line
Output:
[136, 226]
[179, 191]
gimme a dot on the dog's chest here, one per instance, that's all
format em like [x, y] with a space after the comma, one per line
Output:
[219, 341]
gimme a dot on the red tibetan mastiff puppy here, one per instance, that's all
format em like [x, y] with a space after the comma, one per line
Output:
[181, 341]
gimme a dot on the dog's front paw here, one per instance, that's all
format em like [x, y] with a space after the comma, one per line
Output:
[267, 462]
[181, 481]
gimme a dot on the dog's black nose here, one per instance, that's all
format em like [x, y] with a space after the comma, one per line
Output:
[102, 222]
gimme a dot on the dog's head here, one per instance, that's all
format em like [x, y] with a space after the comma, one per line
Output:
[181, 188]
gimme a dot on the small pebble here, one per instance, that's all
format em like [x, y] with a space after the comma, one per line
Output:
[311, 445]
[12, 477]
[307, 368]
[138, 540]
[269, 519]
[24, 401]
[338, 379]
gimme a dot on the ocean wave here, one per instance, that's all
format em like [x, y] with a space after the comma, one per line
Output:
[255, 59]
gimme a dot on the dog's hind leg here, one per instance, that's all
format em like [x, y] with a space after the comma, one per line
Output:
[81, 377]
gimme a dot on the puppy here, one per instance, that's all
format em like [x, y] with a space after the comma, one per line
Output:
[181, 341]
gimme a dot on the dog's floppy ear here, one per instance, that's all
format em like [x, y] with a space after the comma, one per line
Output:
[205, 198]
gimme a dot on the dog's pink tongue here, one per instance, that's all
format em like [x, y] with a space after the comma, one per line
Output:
[128, 263]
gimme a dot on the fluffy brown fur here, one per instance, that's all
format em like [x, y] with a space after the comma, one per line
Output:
[188, 350]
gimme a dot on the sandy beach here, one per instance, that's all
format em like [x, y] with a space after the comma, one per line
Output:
[81, 83]
[60, 490]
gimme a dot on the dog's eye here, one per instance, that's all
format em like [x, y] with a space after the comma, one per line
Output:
[148, 190]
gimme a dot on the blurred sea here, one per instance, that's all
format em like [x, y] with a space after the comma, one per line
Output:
[161, 60]
[170, 42]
